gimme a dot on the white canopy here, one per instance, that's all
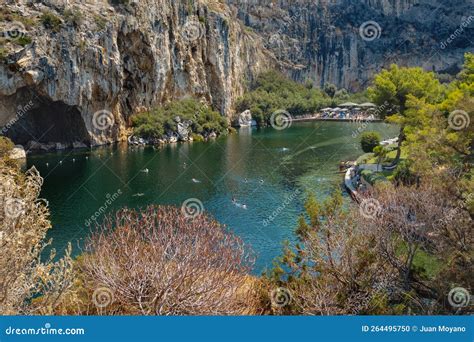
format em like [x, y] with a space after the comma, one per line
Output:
[326, 109]
[336, 109]
[348, 104]
[368, 104]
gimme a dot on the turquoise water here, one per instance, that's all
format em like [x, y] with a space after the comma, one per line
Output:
[269, 171]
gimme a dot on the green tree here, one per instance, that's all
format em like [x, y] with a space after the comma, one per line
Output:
[392, 90]
[381, 153]
[369, 140]
[330, 89]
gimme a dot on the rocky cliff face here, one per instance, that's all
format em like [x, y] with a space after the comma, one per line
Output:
[82, 77]
[346, 41]
[75, 71]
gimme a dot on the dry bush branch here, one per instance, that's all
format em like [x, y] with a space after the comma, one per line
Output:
[24, 221]
[158, 262]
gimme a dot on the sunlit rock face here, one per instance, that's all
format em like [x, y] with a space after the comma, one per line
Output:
[79, 80]
[118, 60]
[346, 42]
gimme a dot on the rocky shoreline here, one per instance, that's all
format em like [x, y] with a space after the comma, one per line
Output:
[34, 147]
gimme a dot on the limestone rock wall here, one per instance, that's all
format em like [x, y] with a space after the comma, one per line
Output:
[80, 78]
[117, 60]
[321, 40]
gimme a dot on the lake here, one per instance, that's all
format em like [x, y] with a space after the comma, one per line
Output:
[269, 171]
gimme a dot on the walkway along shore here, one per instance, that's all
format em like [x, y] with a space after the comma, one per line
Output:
[349, 185]
[336, 119]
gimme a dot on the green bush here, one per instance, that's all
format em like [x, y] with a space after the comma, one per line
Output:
[73, 17]
[157, 122]
[50, 21]
[403, 173]
[369, 140]
[24, 40]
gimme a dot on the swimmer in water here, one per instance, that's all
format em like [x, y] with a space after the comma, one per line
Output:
[145, 170]
[196, 181]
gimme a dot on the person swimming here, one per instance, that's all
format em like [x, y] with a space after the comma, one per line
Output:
[145, 171]
[237, 204]
[197, 181]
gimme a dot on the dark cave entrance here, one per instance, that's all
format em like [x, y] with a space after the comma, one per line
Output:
[49, 122]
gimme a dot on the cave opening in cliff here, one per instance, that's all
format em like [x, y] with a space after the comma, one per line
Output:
[49, 122]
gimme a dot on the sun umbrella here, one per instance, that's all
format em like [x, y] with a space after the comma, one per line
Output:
[349, 104]
[368, 105]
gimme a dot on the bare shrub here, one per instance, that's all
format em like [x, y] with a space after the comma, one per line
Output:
[427, 219]
[340, 272]
[24, 221]
[158, 262]
[400, 252]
